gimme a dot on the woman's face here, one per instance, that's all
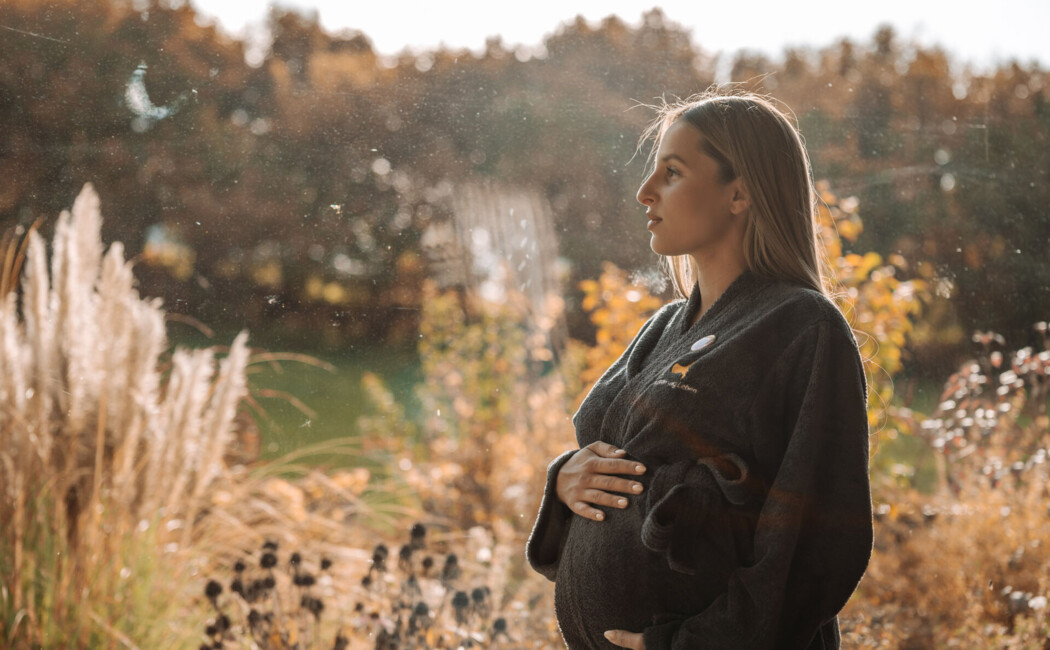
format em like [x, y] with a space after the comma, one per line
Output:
[691, 212]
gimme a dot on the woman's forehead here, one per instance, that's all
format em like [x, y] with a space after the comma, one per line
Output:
[680, 138]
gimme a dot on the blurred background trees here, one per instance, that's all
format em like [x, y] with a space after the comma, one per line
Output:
[292, 197]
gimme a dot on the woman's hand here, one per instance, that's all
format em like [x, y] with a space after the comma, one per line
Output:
[586, 480]
[625, 639]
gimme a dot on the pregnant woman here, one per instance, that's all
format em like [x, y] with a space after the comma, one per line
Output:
[720, 496]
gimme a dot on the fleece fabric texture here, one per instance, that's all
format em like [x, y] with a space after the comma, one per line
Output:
[755, 525]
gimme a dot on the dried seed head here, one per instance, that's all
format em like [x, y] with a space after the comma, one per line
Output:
[268, 561]
[270, 545]
[451, 570]
[418, 536]
[295, 559]
[404, 558]
[325, 564]
[212, 589]
[312, 605]
[379, 556]
[239, 566]
[461, 605]
[420, 619]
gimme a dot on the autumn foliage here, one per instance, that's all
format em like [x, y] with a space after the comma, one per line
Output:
[293, 192]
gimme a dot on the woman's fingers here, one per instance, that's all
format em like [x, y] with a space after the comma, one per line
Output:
[611, 461]
[606, 450]
[608, 483]
[625, 639]
[591, 498]
[600, 465]
[588, 511]
[595, 478]
[597, 497]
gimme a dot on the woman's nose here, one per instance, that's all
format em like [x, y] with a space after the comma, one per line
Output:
[644, 195]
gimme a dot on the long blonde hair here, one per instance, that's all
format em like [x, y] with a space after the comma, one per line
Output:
[751, 138]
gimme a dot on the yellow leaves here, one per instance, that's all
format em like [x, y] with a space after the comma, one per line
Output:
[268, 273]
[855, 262]
[879, 306]
[333, 293]
[849, 229]
[314, 287]
[171, 254]
[836, 221]
[354, 481]
[288, 498]
[409, 262]
[618, 308]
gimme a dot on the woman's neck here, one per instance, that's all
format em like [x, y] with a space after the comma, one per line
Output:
[714, 277]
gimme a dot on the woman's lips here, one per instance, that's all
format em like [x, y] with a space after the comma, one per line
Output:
[653, 220]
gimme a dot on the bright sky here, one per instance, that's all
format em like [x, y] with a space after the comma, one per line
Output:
[996, 32]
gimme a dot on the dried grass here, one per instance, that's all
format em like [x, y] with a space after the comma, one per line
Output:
[100, 451]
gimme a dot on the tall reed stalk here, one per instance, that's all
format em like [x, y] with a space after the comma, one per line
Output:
[107, 446]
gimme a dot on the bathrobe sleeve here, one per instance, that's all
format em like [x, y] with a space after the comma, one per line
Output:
[813, 537]
[543, 549]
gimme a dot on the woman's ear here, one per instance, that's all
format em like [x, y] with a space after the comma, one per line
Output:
[741, 201]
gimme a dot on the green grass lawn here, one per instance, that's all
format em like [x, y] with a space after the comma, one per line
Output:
[334, 398]
[910, 453]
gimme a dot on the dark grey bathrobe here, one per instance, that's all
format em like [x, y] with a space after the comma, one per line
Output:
[755, 524]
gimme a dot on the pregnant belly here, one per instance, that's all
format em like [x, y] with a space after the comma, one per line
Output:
[608, 580]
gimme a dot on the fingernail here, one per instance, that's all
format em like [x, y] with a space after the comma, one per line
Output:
[608, 635]
[639, 468]
[637, 487]
[599, 516]
[620, 451]
[621, 502]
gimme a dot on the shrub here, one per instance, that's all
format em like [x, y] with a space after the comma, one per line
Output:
[966, 567]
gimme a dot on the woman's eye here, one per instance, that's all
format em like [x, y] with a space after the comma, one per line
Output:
[671, 172]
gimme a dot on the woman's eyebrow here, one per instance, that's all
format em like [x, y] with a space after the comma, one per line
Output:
[672, 156]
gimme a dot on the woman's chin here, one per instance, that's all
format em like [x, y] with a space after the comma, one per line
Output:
[660, 248]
